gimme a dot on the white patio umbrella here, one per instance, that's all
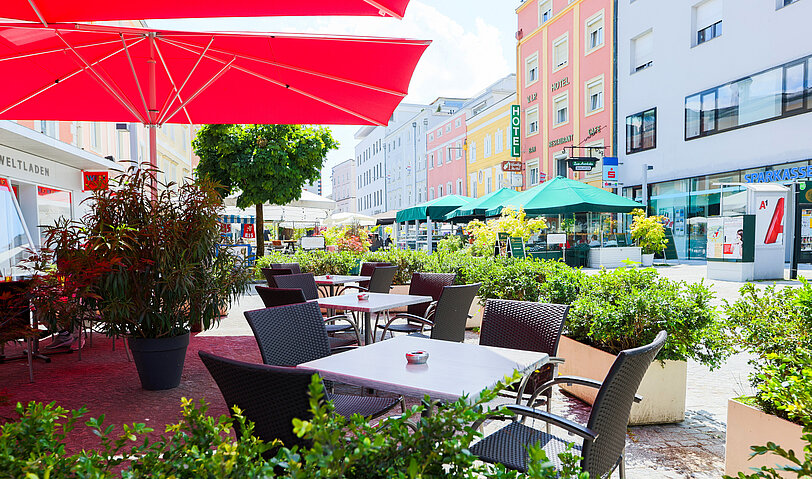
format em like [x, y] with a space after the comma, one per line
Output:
[312, 200]
[347, 219]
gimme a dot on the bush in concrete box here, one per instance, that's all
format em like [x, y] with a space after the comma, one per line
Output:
[627, 307]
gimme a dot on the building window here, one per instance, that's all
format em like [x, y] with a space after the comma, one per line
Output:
[448, 155]
[532, 117]
[499, 141]
[439, 133]
[642, 51]
[473, 186]
[449, 188]
[459, 186]
[532, 69]
[439, 191]
[431, 138]
[561, 109]
[431, 161]
[545, 11]
[532, 172]
[779, 92]
[448, 128]
[472, 152]
[594, 32]
[560, 52]
[458, 123]
[707, 21]
[95, 135]
[783, 3]
[594, 96]
[439, 158]
[487, 152]
[431, 193]
[641, 131]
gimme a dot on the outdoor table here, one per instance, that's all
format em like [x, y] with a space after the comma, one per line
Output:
[329, 284]
[376, 303]
[452, 370]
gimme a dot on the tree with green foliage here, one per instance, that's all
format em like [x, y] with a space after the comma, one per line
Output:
[265, 163]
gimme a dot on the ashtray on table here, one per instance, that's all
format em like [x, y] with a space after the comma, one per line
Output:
[417, 357]
[363, 296]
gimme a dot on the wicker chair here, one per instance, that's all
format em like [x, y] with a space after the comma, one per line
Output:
[422, 284]
[272, 396]
[270, 275]
[528, 326]
[380, 280]
[284, 296]
[603, 438]
[447, 319]
[367, 269]
[293, 267]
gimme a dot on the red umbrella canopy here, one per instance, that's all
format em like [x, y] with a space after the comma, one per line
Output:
[54, 11]
[104, 73]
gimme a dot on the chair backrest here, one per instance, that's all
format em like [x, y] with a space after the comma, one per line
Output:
[610, 412]
[293, 267]
[381, 280]
[280, 296]
[304, 281]
[428, 284]
[523, 325]
[451, 313]
[289, 335]
[269, 396]
[270, 274]
[367, 269]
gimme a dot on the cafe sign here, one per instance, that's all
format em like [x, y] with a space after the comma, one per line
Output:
[512, 166]
[515, 131]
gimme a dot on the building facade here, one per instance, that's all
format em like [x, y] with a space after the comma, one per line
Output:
[488, 147]
[344, 180]
[565, 59]
[707, 100]
[313, 187]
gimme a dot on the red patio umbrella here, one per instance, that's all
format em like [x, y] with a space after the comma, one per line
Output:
[54, 11]
[105, 73]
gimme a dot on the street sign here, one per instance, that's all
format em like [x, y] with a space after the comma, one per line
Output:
[512, 166]
[610, 171]
[515, 131]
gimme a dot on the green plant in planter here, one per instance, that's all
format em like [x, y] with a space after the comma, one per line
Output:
[648, 232]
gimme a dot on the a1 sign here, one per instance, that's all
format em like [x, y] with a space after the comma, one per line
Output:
[515, 131]
[512, 166]
[610, 171]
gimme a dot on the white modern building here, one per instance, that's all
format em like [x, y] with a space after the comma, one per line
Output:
[711, 92]
[344, 181]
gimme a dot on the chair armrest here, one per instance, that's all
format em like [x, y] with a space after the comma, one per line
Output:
[555, 360]
[412, 317]
[563, 423]
[569, 381]
[345, 317]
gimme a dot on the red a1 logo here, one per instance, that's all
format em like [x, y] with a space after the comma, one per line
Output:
[763, 205]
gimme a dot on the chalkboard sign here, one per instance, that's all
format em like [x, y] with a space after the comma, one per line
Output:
[517, 247]
[670, 248]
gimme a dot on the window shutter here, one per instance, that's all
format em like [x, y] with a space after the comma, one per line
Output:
[708, 13]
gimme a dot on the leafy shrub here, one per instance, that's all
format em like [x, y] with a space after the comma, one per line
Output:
[412, 446]
[627, 307]
[648, 232]
[450, 244]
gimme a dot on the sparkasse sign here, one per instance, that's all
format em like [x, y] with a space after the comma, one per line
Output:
[515, 131]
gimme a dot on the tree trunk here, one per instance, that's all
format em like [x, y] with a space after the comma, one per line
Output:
[260, 231]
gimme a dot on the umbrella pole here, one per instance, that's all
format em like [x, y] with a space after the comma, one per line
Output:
[153, 157]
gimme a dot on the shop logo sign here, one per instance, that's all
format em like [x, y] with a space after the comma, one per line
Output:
[776, 223]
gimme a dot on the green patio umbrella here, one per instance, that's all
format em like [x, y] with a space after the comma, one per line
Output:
[435, 209]
[563, 195]
[480, 206]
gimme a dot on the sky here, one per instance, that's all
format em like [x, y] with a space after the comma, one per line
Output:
[473, 46]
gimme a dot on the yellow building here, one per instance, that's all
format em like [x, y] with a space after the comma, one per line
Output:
[488, 146]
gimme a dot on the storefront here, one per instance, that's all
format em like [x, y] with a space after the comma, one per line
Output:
[687, 203]
[41, 181]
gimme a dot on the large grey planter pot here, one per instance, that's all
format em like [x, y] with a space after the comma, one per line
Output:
[159, 361]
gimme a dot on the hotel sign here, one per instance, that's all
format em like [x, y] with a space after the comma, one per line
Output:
[560, 84]
[515, 131]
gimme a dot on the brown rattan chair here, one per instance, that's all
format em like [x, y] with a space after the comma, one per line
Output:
[602, 441]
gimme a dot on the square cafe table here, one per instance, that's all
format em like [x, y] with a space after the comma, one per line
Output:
[377, 302]
[452, 370]
[337, 280]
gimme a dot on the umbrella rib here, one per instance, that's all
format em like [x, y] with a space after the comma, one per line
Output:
[188, 77]
[301, 70]
[174, 86]
[132, 68]
[200, 90]
[53, 84]
[384, 9]
[101, 80]
[37, 12]
[58, 50]
[294, 89]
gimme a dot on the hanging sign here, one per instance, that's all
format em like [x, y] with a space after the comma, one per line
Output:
[225, 228]
[513, 166]
[515, 131]
[248, 231]
[542, 177]
[4, 185]
[95, 180]
[582, 164]
[610, 167]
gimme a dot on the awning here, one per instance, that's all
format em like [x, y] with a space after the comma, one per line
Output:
[479, 207]
[236, 219]
[435, 209]
[563, 195]
[53, 11]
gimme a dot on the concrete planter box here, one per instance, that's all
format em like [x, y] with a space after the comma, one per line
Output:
[663, 387]
[749, 426]
[399, 289]
[614, 257]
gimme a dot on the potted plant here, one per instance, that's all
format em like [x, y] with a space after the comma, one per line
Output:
[649, 234]
[164, 267]
[775, 327]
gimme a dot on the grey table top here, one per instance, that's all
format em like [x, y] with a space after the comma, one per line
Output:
[376, 303]
[339, 279]
[452, 370]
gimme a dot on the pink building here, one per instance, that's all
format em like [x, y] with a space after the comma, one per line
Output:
[445, 155]
[566, 60]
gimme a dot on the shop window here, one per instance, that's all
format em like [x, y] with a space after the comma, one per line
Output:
[14, 237]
